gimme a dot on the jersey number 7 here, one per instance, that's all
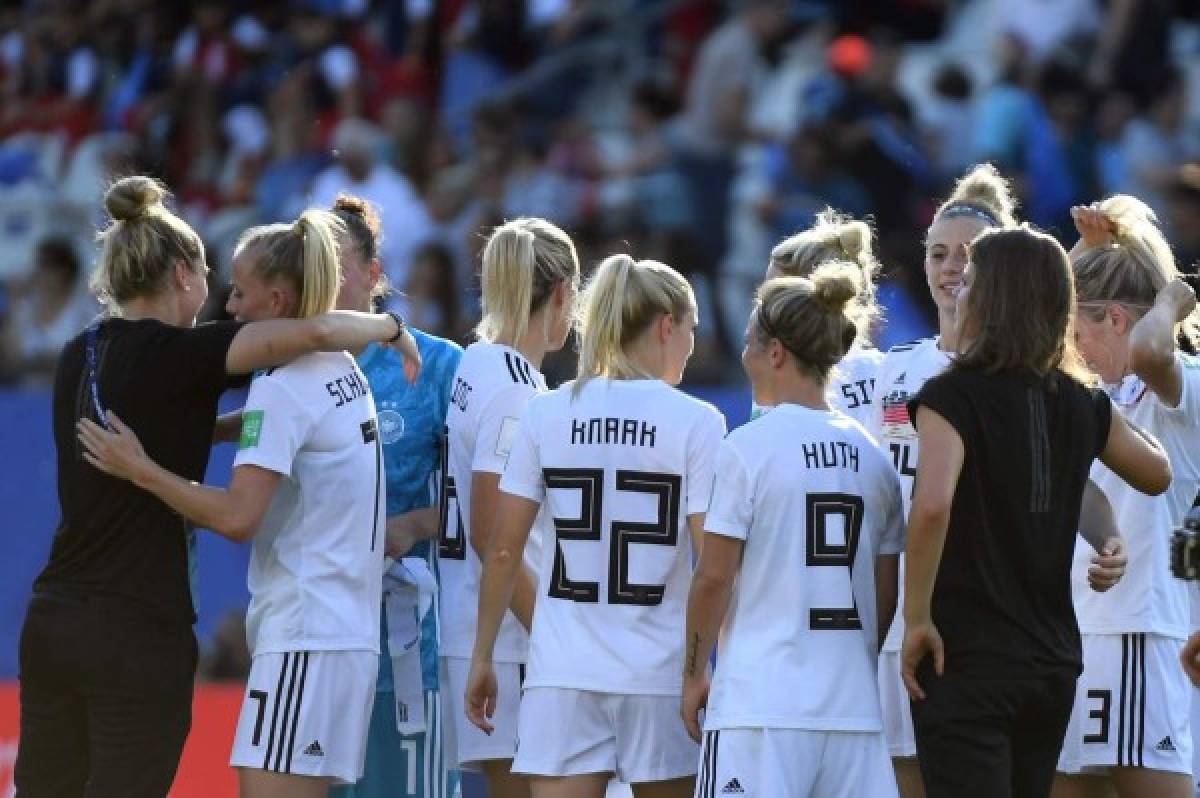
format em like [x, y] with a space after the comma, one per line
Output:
[664, 531]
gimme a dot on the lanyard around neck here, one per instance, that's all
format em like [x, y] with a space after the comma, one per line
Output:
[93, 334]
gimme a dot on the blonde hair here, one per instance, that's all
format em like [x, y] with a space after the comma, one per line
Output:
[835, 237]
[620, 302]
[984, 194]
[1134, 268]
[523, 261]
[303, 254]
[813, 317]
[140, 247]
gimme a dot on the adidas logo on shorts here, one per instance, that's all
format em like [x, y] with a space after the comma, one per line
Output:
[1165, 744]
[314, 749]
[734, 787]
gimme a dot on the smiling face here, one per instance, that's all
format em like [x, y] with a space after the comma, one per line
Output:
[946, 259]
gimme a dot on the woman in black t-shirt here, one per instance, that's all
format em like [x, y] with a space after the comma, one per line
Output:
[107, 654]
[1008, 434]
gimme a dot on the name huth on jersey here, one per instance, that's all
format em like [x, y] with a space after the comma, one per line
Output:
[830, 454]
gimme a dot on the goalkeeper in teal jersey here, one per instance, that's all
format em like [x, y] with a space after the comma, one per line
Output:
[404, 748]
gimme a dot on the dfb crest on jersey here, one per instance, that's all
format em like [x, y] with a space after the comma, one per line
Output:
[391, 423]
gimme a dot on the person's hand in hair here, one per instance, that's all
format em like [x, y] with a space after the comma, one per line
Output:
[1190, 657]
[1108, 566]
[1095, 229]
[118, 453]
[921, 640]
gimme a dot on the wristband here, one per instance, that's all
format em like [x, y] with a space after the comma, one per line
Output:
[400, 325]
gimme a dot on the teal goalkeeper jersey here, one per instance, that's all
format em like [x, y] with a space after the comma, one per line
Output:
[411, 423]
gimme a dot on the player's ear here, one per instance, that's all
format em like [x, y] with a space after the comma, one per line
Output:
[666, 327]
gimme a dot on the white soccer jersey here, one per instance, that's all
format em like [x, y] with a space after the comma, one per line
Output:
[1147, 599]
[316, 569]
[851, 385]
[816, 502]
[491, 388]
[618, 469]
[904, 371]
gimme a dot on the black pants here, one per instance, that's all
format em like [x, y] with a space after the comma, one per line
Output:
[106, 700]
[990, 737]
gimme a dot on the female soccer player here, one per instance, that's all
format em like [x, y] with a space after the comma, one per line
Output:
[991, 647]
[1131, 716]
[794, 710]
[307, 487]
[404, 748]
[530, 279]
[839, 237]
[615, 468]
[981, 200]
[107, 651]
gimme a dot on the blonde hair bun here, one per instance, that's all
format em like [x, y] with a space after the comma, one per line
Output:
[131, 197]
[984, 187]
[854, 236]
[835, 285]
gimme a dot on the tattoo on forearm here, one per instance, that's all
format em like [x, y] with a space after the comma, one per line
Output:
[693, 646]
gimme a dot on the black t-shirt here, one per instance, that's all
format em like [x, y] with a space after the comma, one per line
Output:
[114, 539]
[1002, 598]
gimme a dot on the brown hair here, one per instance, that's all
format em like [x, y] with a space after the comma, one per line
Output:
[811, 316]
[365, 229]
[834, 236]
[141, 245]
[303, 254]
[1022, 303]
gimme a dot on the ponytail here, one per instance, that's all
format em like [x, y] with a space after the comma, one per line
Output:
[303, 254]
[620, 302]
[523, 261]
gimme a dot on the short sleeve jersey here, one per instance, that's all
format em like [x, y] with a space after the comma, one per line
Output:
[904, 370]
[316, 569]
[1002, 595]
[115, 539]
[815, 502]
[1148, 599]
[618, 468]
[491, 388]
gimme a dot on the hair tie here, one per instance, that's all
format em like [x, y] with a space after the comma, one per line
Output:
[967, 209]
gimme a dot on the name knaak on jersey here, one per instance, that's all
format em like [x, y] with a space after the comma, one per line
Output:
[615, 431]
[831, 454]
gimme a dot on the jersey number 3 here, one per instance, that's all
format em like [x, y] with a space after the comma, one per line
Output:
[820, 508]
[664, 531]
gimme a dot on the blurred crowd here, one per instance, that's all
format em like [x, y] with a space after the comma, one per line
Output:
[697, 132]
